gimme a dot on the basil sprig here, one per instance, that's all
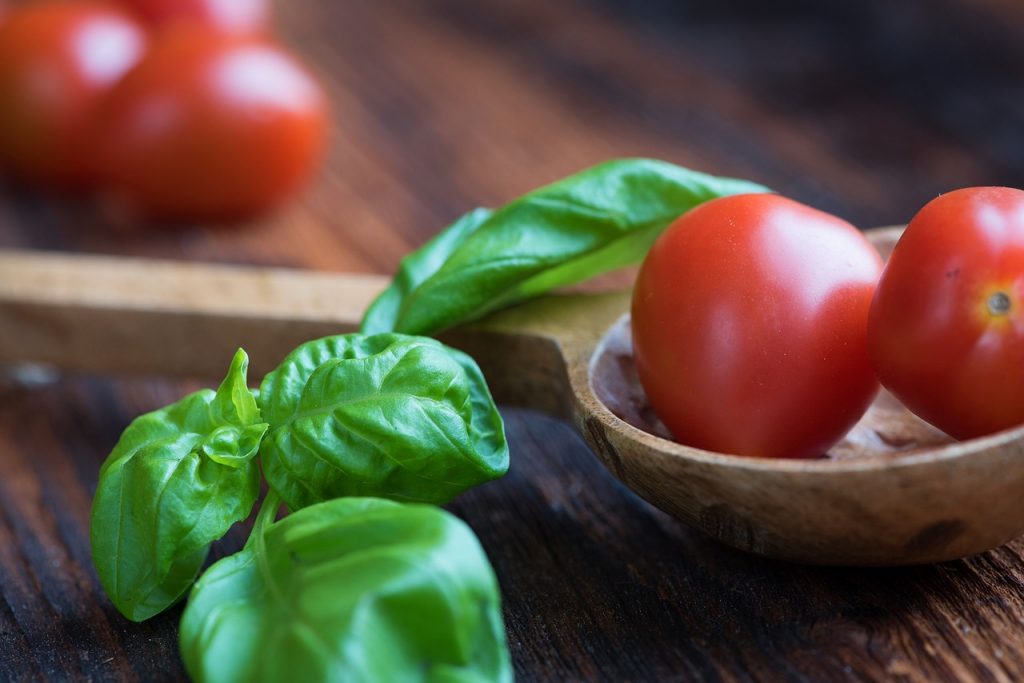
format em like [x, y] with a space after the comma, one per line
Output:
[387, 415]
[362, 589]
[354, 589]
[175, 483]
[590, 223]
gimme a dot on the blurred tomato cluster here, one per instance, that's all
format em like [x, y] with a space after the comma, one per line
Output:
[184, 109]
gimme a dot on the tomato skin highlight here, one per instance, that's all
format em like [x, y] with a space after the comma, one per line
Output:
[947, 324]
[212, 127]
[749, 323]
[56, 61]
[237, 17]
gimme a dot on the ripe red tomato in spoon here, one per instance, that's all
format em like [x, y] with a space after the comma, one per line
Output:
[749, 326]
[947, 323]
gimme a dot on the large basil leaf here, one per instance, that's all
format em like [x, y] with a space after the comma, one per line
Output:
[175, 482]
[388, 415]
[356, 590]
[604, 218]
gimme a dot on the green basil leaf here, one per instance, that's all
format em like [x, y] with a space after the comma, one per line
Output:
[416, 268]
[350, 590]
[175, 482]
[405, 418]
[604, 218]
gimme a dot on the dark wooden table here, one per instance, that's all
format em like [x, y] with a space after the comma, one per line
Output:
[866, 109]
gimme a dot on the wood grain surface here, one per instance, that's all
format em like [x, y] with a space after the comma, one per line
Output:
[866, 109]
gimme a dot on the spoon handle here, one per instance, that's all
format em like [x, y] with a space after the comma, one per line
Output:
[119, 316]
[133, 316]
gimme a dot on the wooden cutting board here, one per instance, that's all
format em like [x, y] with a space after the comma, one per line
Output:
[447, 104]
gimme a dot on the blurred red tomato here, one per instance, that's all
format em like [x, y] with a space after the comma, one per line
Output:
[56, 60]
[212, 127]
[246, 17]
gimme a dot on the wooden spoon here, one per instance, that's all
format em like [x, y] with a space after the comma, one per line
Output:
[895, 491]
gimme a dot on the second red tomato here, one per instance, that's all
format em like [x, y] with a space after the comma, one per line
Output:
[947, 322]
[211, 127]
[750, 327]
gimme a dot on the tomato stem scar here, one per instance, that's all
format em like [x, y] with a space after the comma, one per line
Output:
[999, 303]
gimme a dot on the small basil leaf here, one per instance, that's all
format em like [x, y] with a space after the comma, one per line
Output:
[387, 415]
[175, 482]
[604, 218]
[234, 446]
[359, 590]
[417, 267]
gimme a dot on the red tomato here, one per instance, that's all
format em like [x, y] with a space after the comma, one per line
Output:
[56, 60]
[212, 127]
[246, 17]
[947, 324]
[750, 327]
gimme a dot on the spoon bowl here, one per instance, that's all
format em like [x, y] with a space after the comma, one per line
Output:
[895, 491]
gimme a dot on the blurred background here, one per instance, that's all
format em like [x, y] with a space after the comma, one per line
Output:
[865, 109]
